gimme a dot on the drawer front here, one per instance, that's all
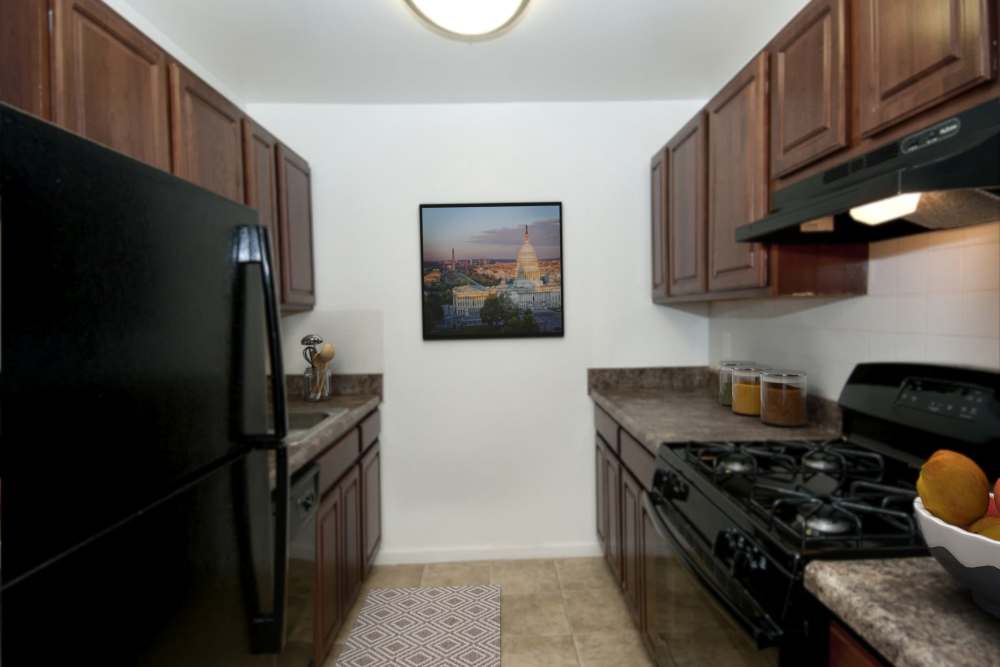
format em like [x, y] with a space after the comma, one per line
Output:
[335, 461]
[370, 429]
[638, 460]
[606, 428]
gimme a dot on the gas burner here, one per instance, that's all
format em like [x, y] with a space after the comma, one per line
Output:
[842, 461]
[822, 461]
[823, 524]
[737, 463]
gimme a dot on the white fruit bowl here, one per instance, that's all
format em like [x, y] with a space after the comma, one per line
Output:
[973, 560]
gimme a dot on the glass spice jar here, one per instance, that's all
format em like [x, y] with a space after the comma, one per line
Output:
[783, 398]
[746, 391]
[726, 379]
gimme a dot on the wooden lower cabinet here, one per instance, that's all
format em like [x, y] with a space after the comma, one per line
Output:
[631, 495]
[613, 473]
[329, 560]
[846, 651]
[348, 530]
[338, 556]
[371, 492]
[350, 491]
[601, 486]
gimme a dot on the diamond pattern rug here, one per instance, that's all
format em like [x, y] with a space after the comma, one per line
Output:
[448, 626]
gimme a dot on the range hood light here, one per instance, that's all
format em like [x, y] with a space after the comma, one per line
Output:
[885, 210]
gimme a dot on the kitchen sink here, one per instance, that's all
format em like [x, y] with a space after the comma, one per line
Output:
[300, 424]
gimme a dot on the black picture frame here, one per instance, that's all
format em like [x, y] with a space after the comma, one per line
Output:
[450, 325]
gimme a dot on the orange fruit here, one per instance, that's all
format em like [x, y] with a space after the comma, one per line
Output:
[988, 526]
[953, 488]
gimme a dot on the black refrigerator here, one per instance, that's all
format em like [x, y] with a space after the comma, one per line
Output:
[143, 476]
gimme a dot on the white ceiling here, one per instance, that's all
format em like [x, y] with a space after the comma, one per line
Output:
[377, 51]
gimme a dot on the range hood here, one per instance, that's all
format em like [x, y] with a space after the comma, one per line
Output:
[954, 165]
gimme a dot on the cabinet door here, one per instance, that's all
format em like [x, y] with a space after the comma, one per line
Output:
[206, 135]
[24, 52]
[737, 178]
[260, 185]
[295, 219]
[109, 81]
[687, 209]
[846, 651]
[658, 219]
[809, 87]
[631, 552]
[614, 515]
[914, 54]
[353, 570]
[371, 504]
[330, 563]
[654, 554]
[602, 495]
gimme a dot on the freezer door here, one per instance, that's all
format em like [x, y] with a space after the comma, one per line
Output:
[132, 359]
[171, 586]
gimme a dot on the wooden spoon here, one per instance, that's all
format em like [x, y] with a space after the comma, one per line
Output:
[320, 361]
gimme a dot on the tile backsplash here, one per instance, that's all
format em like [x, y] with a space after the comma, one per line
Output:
[932, 297]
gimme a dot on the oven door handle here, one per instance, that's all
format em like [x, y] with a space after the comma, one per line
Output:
[760, 627]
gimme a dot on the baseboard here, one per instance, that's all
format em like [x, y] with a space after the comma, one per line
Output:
[456, 554]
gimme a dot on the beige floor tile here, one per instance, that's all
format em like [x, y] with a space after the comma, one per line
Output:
[456, 574]
[584, 573]
[539, 614]
[395, 576]
[532, 651]
[525, 576]
[596, 610]
[612, 649]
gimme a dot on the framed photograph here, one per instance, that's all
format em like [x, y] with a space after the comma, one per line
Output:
[491, 270]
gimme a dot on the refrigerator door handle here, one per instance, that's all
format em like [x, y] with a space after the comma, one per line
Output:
[268, 629]
[253, 247]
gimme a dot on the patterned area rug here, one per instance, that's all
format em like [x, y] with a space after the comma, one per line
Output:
[448, 626]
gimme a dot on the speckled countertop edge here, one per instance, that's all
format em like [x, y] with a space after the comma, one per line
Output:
[655, 416]
[301, 452]
[909, 609]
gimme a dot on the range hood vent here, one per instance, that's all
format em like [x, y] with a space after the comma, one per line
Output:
[954, 164]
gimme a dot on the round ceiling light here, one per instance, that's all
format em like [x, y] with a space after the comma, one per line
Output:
[469, 18]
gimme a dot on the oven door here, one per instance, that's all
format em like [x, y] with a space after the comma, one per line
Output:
[689, 613]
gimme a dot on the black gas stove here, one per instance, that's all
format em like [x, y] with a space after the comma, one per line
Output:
[746, 517]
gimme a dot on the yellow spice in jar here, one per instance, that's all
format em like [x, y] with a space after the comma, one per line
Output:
[746, 398]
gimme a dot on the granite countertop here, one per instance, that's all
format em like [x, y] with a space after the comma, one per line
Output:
[909, 609]
[302, 451]
[668, 414]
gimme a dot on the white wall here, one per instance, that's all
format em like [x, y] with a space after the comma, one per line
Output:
[486, 444]
[932, 297]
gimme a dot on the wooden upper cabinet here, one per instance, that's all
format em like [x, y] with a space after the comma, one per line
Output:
[295, 220]
[206, 135]
[24, 52]
[686, 207]
[109, 81]
[737, 178]
[914, 54]
[261, 186]
[809, 87]
[657, 205]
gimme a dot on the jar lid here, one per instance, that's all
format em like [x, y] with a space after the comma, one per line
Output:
[782, 376]
[747, 373]
[736, 364]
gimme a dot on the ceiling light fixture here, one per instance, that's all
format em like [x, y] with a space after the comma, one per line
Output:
[884, 210]
[469, 18]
